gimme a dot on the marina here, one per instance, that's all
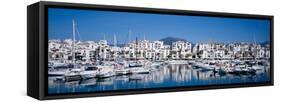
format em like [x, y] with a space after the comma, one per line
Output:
[167, 75]
[76, 65]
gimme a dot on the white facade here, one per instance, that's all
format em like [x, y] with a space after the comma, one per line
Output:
[181, 49]
[154, 50]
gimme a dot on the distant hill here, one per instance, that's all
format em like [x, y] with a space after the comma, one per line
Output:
[264, 43]
[170, 40]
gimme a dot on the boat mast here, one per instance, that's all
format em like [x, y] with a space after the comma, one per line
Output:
[136, 49]
[129, 36]
[115, 47]
[115, 41]
[255, 45]
[144, 37]
[73, 42]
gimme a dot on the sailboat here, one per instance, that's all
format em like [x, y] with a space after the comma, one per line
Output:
[74, 71]
[57, 69]
[105, 69]
[120, 67]
[89, 72]
[253, 66]
[138, 67]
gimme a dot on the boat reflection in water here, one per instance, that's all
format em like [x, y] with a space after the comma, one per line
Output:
[170, 75]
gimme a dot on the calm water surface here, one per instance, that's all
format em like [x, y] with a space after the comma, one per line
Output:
[166, 76]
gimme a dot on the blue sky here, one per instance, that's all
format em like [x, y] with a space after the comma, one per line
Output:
[94, 25]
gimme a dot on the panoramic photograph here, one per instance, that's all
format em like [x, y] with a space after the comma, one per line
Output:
[97, 51]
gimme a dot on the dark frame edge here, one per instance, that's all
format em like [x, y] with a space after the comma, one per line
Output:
[155, 91]
[42, 51]
[32, 50]
[272, 49]
[41, 27]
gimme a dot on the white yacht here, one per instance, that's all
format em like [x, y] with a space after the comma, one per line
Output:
[122, 71]
[177, 62]
[139, 70]
[54, 72]
[205, 66]
[89, 72]
[73, 75]
[105, 71]
[157, 64]
[57, 70]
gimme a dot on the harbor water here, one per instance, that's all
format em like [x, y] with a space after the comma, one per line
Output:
[171, 75]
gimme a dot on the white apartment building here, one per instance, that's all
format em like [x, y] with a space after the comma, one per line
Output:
[153, 50]
[181, 49]
[145, 49]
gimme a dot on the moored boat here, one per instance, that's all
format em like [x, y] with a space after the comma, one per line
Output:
[123, 71]
[205, 66]
[105, 71]
[177, 62]
[89, 72]
[73, 75]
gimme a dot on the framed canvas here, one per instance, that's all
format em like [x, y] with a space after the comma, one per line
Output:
[82, 50]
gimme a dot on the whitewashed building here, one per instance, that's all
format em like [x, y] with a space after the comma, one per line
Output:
[181, 49]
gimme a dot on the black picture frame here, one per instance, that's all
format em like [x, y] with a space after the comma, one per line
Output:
[37, 40]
